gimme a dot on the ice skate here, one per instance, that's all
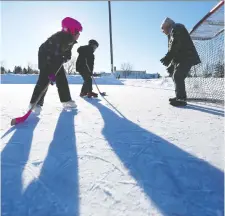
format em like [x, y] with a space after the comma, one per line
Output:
[69, 105]
[83, 94]
[92, 94]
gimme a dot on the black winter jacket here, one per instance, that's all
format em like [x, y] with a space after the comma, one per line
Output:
[55, 50]
[181, 47]
[86, 55]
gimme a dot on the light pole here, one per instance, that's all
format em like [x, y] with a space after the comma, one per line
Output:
[110, 33]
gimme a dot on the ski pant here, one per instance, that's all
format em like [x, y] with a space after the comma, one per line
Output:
[87, 85]
[61, 84]
[180, 72]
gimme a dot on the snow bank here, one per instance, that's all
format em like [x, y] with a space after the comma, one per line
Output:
[72, 79]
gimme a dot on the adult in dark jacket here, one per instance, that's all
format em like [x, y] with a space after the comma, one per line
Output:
[85, 66]
[55, 51]
[181, 56]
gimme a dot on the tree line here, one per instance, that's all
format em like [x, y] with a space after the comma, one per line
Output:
[19, 70]
[70, 68]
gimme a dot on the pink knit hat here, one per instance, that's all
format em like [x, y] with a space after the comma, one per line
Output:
[71, 25]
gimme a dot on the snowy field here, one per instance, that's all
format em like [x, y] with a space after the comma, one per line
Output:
[129, 155]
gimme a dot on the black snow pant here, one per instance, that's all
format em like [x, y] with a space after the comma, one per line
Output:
[180, 72]
[87, 85]
[61, 83]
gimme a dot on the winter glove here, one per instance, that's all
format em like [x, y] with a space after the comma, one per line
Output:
[165, 61]
[52, 78]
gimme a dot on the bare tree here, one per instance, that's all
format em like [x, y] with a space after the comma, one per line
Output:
[70, 66]
[126, 68]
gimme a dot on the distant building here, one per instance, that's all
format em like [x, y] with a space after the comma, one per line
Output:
[130, 74]
[135, 75]
[119, 74]
[152, 76]
[105, 74]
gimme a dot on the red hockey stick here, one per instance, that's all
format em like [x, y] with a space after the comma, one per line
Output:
[23, 118]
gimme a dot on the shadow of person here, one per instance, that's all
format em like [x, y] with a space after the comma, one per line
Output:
[177, 182]
[55, 191]
[209, 110]
[14, 158]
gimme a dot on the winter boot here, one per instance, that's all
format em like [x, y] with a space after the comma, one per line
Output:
[178, 102]
[172, 99]
[69, 104]
[92, 94]
[175, 98]
[83, 94]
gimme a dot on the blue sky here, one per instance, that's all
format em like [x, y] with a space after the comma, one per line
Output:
[137, 37]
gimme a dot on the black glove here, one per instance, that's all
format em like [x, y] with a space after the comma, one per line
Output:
[165, 61]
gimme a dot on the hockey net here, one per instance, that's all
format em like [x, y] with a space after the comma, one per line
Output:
[206, 80]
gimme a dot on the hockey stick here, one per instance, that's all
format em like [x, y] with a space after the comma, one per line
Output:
[23, 118]
[101, 93]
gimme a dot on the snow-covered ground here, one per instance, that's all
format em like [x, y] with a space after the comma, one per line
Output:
[129, 155]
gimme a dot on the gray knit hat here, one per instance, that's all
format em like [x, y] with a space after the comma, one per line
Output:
[167, 22]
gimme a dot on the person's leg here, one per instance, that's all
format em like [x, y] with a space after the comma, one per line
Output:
[181, 71]
[171, 70]
[87, 85]
[84, 86]
[39, 87]
[63, 86]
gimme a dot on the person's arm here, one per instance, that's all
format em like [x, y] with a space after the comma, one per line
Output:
[54, 50]
[175, 44]
[91, 62]
[89, 59]
[68, 53]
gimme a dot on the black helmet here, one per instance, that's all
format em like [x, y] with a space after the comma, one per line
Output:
[93, 42]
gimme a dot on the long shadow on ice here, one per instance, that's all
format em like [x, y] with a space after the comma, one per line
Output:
[14, 158]
[209, 110]
[176, 181]
[56, 190]
[53, 191]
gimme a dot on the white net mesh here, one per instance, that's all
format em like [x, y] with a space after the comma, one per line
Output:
[206, 80]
